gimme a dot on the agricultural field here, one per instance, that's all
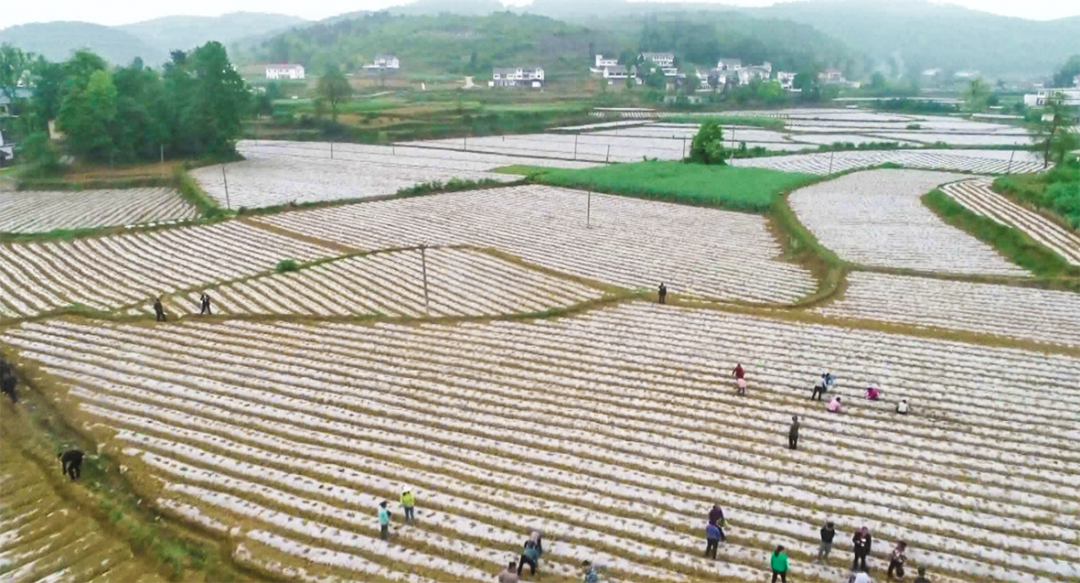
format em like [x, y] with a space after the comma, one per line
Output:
[34, 211]
[977, 196]
[460, 282]
[876, 218]
[614, 240]
[44, 537]
[288, 436]
[976, 161]
[1017, 312]
[276, 173]
[105, 273]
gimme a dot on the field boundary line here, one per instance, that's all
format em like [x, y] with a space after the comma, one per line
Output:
[284, 232]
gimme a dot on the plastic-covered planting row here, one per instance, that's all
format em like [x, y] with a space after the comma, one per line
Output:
[978, 161]
[616, 240]
[460, 282]
[877, 218]
[978, 197]
[486, 421]
[109, 272]
[1029, 313]
[33, 211]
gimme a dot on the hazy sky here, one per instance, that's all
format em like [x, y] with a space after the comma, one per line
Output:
[113, 12]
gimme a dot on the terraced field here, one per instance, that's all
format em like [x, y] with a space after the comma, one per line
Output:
[32, 211]
[292, 433]
[877, 218]
[979, 161]
[630, 243]
[977, 197]
[109, 272]
[460, 282]
[45, 538]
[1017, 312]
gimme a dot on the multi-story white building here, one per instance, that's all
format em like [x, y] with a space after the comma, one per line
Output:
[786, 79]
[1067, 96]
[602, 62]
[517, 76]
[665, 60]
[384, 63]
[728, 64]
[285, 71]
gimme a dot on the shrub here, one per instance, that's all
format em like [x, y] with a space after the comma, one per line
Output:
[286, 265]
[914, 126]
[708, 144]
[39, 155]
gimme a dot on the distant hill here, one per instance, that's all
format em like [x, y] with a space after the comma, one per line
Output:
[936, 35]
[432, 44]
[151, 40]
[186, 32]
[434, 7]
[56, 40]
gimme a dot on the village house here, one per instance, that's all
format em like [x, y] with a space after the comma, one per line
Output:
[728, 64]
[786, 79]
[1065, 95]
[285, 71]
[612, 72]
[602, 62]
[831, 75]
[664, 60]
[383, 63]
[517, 77]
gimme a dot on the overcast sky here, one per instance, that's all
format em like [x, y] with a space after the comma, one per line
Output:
[112, 12]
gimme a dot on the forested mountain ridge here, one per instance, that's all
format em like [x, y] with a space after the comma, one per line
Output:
[186, 32]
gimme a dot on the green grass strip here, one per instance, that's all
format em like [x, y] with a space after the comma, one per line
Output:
[1014, 244]
[727, 187]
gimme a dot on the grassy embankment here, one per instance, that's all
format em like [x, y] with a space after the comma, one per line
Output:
[1056, 192]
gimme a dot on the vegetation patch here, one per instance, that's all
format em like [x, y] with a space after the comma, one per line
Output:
[1010, 242]
[521, 169]
[742, 189]
[1057, 191]
[287, 265]
[452, 185]
[772, 123]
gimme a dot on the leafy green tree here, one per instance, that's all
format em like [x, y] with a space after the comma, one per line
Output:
[1071, 68]
[141, 108]
[14, 64]
[707, 146]
[809, 85]
[655, 77]
[39, 155]
[878, 82]
[87, 117]
[693, 83]
[770, 92]
[976, 95]
[333, 89]
[1056, 140]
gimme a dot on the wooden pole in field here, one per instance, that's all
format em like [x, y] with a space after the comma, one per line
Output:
[226, 182]
[1009, 170]
[575, 146]
[684, 147]
[608, 157]
[831, 154]
[162, 148]
[423, 269]
[331, 150]
[465, 143]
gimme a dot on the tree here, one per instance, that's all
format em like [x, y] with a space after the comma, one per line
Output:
[707, 146]
[1071, 68]
[14, 64]
[87, 117]
[39, 155]
[770, 92]
[333, 89]
[693, 83]
[976, 95]
[1057, 140]
[808, 83]
[878, 82]
[655, 77]
[218, 103]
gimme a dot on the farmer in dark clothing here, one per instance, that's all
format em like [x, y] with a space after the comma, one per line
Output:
[922, 576]
[71, 463]
[793, 433]
[530, 553]
[663, 293]
[827, 535]
[716, 516]
[204, 303]
[712, 540]
[8, 381]
[819, 389]
[896, 560]
[159, 310]
[861, 543]
[738, 373]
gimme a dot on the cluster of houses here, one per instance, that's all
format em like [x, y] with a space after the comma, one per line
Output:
[517, 77]
[295, 72]
[727, 71]
[1065, 95]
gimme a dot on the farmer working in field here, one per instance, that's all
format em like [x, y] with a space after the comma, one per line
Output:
[793, 433]
[712, 540]
[8, 381]
[716, 516]
[509, 574]
[530, 553]
[204, 303]
[159, 310]
[663, 293]
[384, 521]
[408, 503]
[71, 463]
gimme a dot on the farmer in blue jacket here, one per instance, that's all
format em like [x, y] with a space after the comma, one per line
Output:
[712, 540]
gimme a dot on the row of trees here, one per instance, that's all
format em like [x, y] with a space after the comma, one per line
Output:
[192, 108]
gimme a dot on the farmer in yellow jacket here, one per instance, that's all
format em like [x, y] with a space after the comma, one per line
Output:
[408, 502]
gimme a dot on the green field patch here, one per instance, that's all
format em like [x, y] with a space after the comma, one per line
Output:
[742, 189]
[520, 169]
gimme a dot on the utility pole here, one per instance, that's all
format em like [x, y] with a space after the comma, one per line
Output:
[575, 145]
[465, 144]
[423, 269]
[226, 182]
[608, 157]
[684, 147]
[161, 147]
[1009, 171]
[831, 154]
[331, 150]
